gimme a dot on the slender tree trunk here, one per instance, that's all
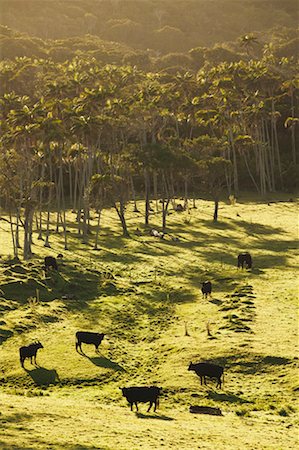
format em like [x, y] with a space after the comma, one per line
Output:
[147, 197]
[13, 237]
[165, 201]
[216, 207]
[97, 230]
[121, 214]
[17, 236]
[185, 193]
[133, 194]
[29, 211]
[271, 155]
[63, 216]
[47, 243]
[293, 136]
[155, 185]
[250, 172]
[75, 190]
[235, 167]
[70, 183]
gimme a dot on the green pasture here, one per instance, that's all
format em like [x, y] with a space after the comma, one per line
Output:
[144, 294]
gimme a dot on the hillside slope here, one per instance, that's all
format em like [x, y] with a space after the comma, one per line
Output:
[145, 294]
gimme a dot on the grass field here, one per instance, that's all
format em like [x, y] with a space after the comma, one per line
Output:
[143, 293]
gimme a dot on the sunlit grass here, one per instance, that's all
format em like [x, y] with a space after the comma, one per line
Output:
[143, 293]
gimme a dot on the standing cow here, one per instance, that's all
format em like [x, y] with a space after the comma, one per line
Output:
[245, 259]
[142, 394]
[209, 370]
[50, 263]
[87, 337]
[206, 288]
[29, 352]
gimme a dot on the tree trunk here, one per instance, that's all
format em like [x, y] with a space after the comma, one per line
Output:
[29, 211]
[147, 197]
[155, 184]
[121, 214]
[13, 237]
[186, 193]
[133, 194]
[293, 136]
[235, 167]
[216, 206]
[47, 243]
[97, 231]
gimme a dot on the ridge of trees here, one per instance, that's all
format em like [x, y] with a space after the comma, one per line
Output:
[281, 42]
[163, 25]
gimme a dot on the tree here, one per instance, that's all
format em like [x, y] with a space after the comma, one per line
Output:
[213, 176]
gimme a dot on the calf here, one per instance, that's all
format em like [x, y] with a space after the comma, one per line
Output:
[245, 259]
[87, 337]
[209, 370]
[50, 263]
[29, 352]
[157, 234]
[206, 288]
[142, 394]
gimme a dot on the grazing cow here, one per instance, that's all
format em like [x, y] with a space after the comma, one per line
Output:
[157, 234]
[87, 337]
[179, 208]
[142, 394]
[206, 288]
[29, 352]
[209, 370]
[245, 259]
[50, 263]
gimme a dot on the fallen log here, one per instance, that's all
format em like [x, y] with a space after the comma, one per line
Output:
[195, 409]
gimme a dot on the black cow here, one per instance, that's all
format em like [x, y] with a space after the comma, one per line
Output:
[29, 352]
[245, 259]
[50, 263]
[179, 208]
[206, 288]
[209, 370]
[87, 337]
[142, 394]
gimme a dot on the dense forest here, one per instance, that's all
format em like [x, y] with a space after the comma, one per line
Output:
[90, 123]
[163, 25]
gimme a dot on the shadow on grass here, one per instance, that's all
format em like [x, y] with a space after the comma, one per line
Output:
[106, 363]
[216, 301]
[43, 377]
[153, 416]
[252, 363]
[15, 418]
[257, 228]
[229, 398]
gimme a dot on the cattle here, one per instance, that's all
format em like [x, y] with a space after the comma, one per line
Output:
[29, 352]
[180, 208]
[206, 288]
[50, 263]
[142, 394]
[209, 370]
[245, 259]
[157, 234]
[87, 337]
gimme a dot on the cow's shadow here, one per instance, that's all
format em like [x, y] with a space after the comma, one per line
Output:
[140, 415]
[106, 363]
[226, 397]
[42, 376]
